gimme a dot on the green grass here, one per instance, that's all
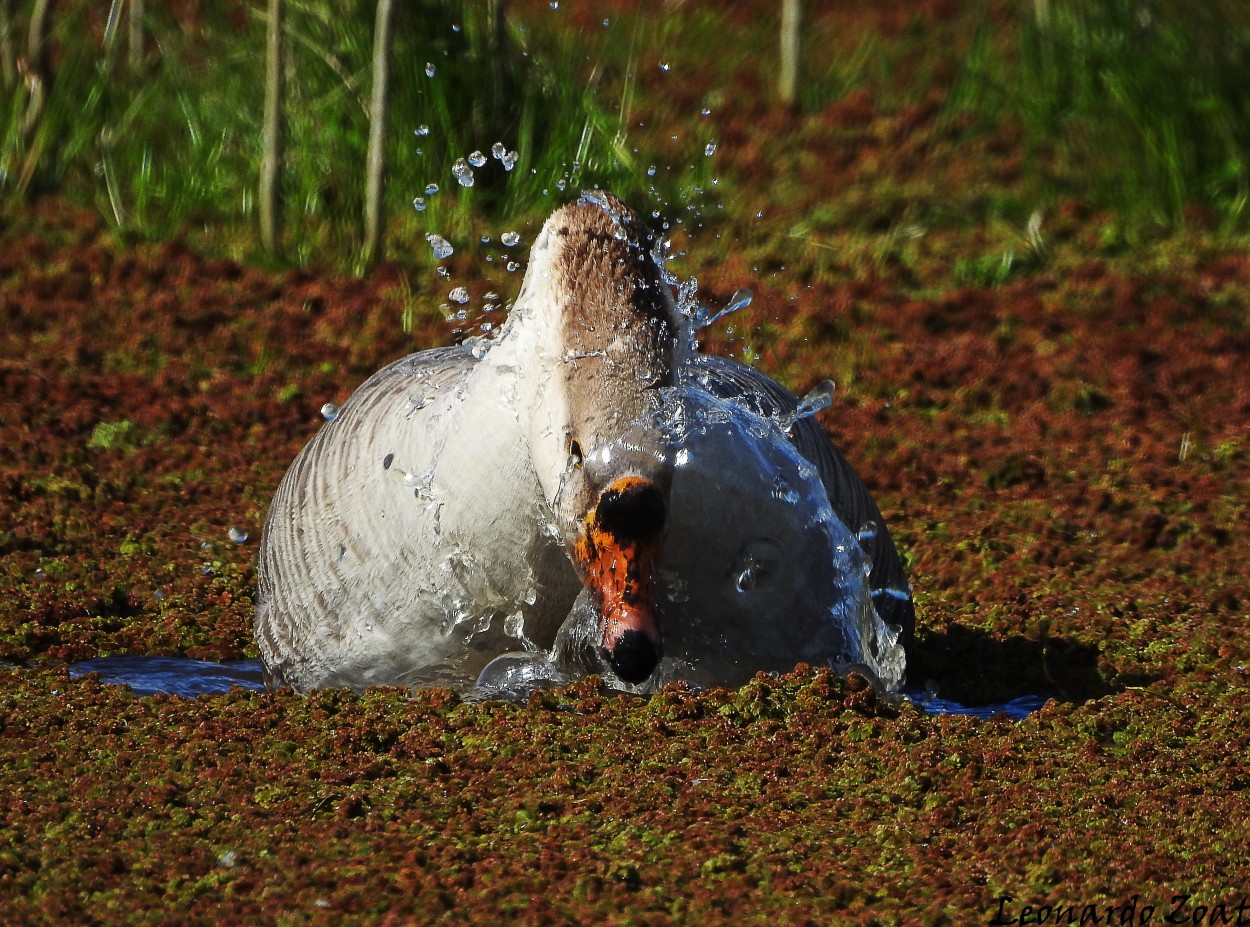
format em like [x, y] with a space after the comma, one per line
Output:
[176, 148]
[1131, 106]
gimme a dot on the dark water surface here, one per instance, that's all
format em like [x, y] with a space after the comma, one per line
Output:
[190, 678]
[174, 675]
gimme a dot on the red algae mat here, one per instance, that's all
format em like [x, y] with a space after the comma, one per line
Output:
[1063, 461]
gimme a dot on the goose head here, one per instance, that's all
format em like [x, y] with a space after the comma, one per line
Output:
[605, 346]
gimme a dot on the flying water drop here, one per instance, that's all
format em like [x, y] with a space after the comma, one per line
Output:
[459, 295]
[477, 159]
[820, 397]
[237, 535]
[740, 300]
[501, 154]
[441, 246]
[464, 173]
[329, 411]
[510, 239]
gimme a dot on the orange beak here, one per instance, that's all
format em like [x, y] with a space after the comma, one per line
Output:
[618, 552]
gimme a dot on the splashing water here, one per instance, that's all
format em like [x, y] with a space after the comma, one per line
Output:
[795, 583]
[505, 157]
[740, 300]
[819, 398]
[440, 246]
[462, 172]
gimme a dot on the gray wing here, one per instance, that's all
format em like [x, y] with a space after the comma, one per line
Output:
[293, 584]
[848, 496]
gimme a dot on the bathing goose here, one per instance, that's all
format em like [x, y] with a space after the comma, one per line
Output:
[586, 488]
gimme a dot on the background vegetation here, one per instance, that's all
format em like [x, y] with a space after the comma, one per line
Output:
[1134, 108]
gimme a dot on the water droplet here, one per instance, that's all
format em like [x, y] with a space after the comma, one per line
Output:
[651, 171]
[441, 246]
[431, 189]
[237, 535]
[491, 297]
[500, 153]
[709, 149]
[746, 580]
[459, 295]
[464, 173]
[554, 4]
[705, 112]
[421, 131]
[477, 159]
[784, 491]
[513, 266]
[514, 625]
[429, 69]
[820, 397]
[664, 66]
[740, 300]
[418, 203]
[486, 326]
[510, 239]
[329, 411]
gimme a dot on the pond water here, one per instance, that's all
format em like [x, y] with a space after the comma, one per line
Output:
[190, 678]
[174, 675]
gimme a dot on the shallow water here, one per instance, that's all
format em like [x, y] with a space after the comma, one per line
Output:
[174, 675]
[190, 678]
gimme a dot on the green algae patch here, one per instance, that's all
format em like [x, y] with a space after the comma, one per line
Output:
[581, 807]
[1057, 436]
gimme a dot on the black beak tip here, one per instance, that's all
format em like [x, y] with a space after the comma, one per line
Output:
[634, 657]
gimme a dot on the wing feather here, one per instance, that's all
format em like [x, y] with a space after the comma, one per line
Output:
[849, 498]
